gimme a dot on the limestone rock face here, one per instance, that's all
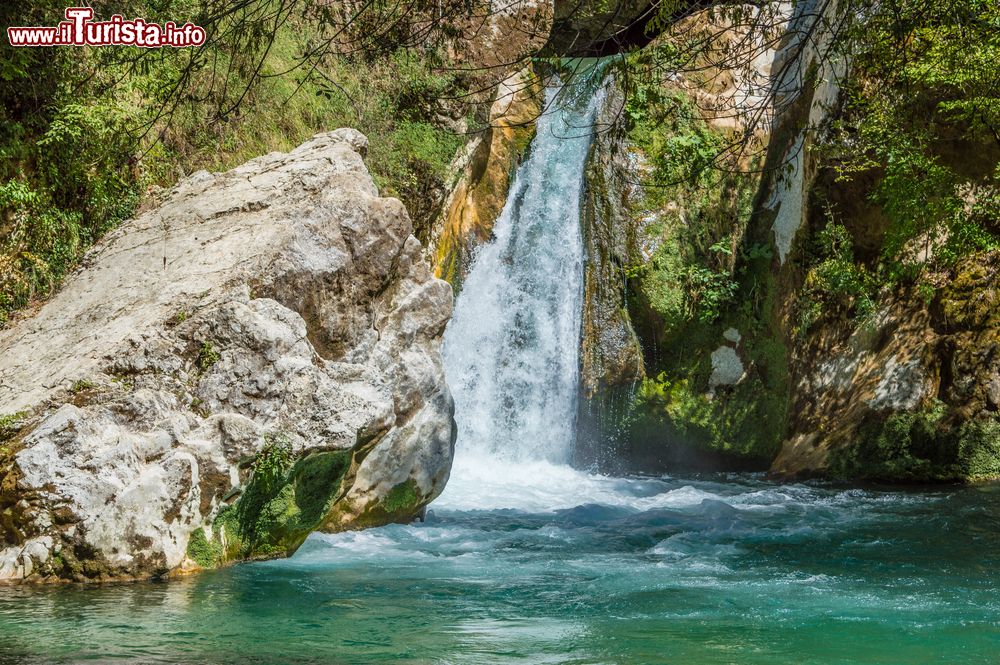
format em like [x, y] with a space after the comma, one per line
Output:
[254, 359]
[494, 36]
[637, 390]
[911, 395]
[846, 376]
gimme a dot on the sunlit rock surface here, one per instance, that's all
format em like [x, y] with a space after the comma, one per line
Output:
[255, 358]
[486, 172]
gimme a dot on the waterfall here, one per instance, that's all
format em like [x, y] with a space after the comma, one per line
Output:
[512, 347]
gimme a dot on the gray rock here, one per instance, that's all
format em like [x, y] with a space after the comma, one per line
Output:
[610, 351]
[256, 358]
[727, 368]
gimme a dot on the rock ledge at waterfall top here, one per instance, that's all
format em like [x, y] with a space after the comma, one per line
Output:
[255, 359]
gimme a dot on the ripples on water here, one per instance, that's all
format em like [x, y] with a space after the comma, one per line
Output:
[543, 564]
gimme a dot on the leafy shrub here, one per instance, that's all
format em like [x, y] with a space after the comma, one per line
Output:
[920, 446]
[11, 424]
[207, 356]
[700, 201]
[923, 93]
[835, 281]
[274, 459]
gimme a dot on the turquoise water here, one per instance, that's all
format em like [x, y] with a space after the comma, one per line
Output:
[697, 570]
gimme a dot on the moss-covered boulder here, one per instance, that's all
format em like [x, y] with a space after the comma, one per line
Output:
[674, 273]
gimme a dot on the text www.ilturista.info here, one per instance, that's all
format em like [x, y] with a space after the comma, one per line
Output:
[79, 30]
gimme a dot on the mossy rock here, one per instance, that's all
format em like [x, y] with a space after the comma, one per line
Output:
[971, 301]
[275, 512]
[921, 446]
[204, 552]
[400, 505]
[737, 427]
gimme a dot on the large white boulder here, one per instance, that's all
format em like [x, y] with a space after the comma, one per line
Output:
[254, 359]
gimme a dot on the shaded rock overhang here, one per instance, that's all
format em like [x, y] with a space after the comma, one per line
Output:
[627, 27]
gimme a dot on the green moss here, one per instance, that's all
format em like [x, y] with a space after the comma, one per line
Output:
[400, 505]
[57, 564]
[205, 553]
[317, 479]
[280, 505]
[450, 270]
[744, 422]
[11, 424]
[404, 497]
[921, 446]
[80, 386]
[979, 449]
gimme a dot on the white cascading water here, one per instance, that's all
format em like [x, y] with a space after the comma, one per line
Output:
[511, 350]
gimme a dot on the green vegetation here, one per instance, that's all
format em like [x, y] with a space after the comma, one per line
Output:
[273, 460]
[81, 385]
[922, 113]
[207, 356]
[699, 201]
[11, 424]
[699, 277]
[401, 498]
[85, 133]
[835, 282]
[202, 551]
[66, 173]
[922, 446]
[283, 501]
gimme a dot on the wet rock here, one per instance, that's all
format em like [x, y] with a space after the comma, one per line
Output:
[481, 191]
[611, 353]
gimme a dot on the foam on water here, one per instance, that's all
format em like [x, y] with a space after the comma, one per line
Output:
[598, 570]
[540, 486]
